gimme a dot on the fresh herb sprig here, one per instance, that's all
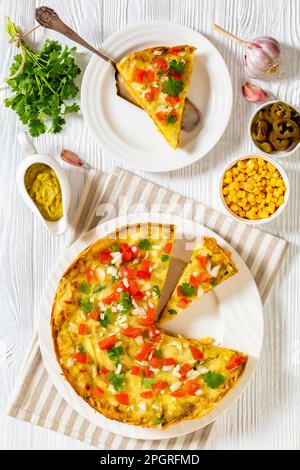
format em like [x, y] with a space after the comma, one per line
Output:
[42, 83]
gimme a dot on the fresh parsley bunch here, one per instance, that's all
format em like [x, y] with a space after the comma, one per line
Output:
[42, 83]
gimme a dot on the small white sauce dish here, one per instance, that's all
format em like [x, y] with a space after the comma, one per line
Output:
[278, 211]
[278, 153]
[57, 227]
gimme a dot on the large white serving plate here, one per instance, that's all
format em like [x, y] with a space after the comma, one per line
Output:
[125, 131]
[231, 313]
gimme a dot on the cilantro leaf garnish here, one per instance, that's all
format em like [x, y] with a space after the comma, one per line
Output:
[43, 86]
[172, 87]
[213, 379]
[115, 352]
[157, 421]
[176, 66]
[86, 306]
[187, 290]
[115, 248]
[98, 288]
[85, 288]
[117, 380]
[172, 312]
[81, 349]
[106, 320]
[144, 244]
[171, 118]
[147, 382]
[156, 290]
[158, 353]
[165, 258]
[125, 301]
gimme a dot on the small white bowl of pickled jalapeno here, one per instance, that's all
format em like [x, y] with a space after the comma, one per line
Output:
[274, 129]
[254, 189]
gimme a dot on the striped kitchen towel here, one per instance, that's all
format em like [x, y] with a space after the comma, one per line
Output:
[36, 399]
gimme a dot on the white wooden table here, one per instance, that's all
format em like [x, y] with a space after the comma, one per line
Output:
[268, 414]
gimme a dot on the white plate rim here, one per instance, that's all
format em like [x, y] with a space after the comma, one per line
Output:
[100, 135]
[65, 389]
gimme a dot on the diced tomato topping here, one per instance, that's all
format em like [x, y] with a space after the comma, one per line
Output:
[147, 321]
[144, 275]
[133, 287]
[174, 51]
[168, 248]
[126, 255]
[97, 392]
[183, 303]
[178, 393]
[194, 281]
[201, 260]
[135, 251]
[111, 298]
[144, 352]
[179, 293]
[122, 398]
[89, 275]
[169, 361]
[178, 76]
[154, 334]
[156, 363]
[161, 116]
[203, 277]
[104, 371]
[124, 247]
[197, 353]
[151, 311]
[95, 315]
[235, 361]
[135, 370]
[172, 100]
[147, 394]
[107, 343]
[191, 386]
[138, 75]
[82, 329]
[159, 63]
[132, 332]
[105, 256]
[129, 273]
[138, 296]
[151, 94]
[147, 372]
[118, 286]
[184, 369]
[158, 386]
[80, 357]
[149, 76]
[145, 265]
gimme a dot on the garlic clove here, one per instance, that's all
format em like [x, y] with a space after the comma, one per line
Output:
[72, 158]
[254, 94]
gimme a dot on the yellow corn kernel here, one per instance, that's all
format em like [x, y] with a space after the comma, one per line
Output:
[228, 179]
[280, 200]
[271, 167]
[273, 182]
[271, 207]
[235, 170]
[260, 162]
[234, 207]
[236, 185]
[241, 177]
[268, 175]
[256, 191]
[226, 190]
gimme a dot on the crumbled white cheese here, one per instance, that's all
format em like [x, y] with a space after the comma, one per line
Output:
[154, 253]
[157, 52]
[177, 374]
[119, 289]
[111, 389]
[102, 316]
[83, 316]
[118, 369]
[155, 406]
[148, 293]
[198, 392]
[114, 309]
[70, 362]
[117, 259]
[182, 54]
[150, 304]
[139, 340]
[125, 282]
[156, 247]
[167, 368]
[202, 370]
[112, 270]
[119, 343]
[142, 406]
[175, 386]
[131, 407]
[100, 273]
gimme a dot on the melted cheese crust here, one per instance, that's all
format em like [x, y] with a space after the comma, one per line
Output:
[143, 60]
[134, 387]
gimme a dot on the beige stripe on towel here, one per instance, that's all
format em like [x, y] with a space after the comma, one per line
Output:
[36, 400]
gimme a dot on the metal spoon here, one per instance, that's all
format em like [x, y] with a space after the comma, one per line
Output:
[48, 18]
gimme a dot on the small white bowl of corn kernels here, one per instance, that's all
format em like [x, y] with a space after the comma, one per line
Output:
[254, 189]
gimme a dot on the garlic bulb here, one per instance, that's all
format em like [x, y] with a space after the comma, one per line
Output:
[262, 57]
[262, 54]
